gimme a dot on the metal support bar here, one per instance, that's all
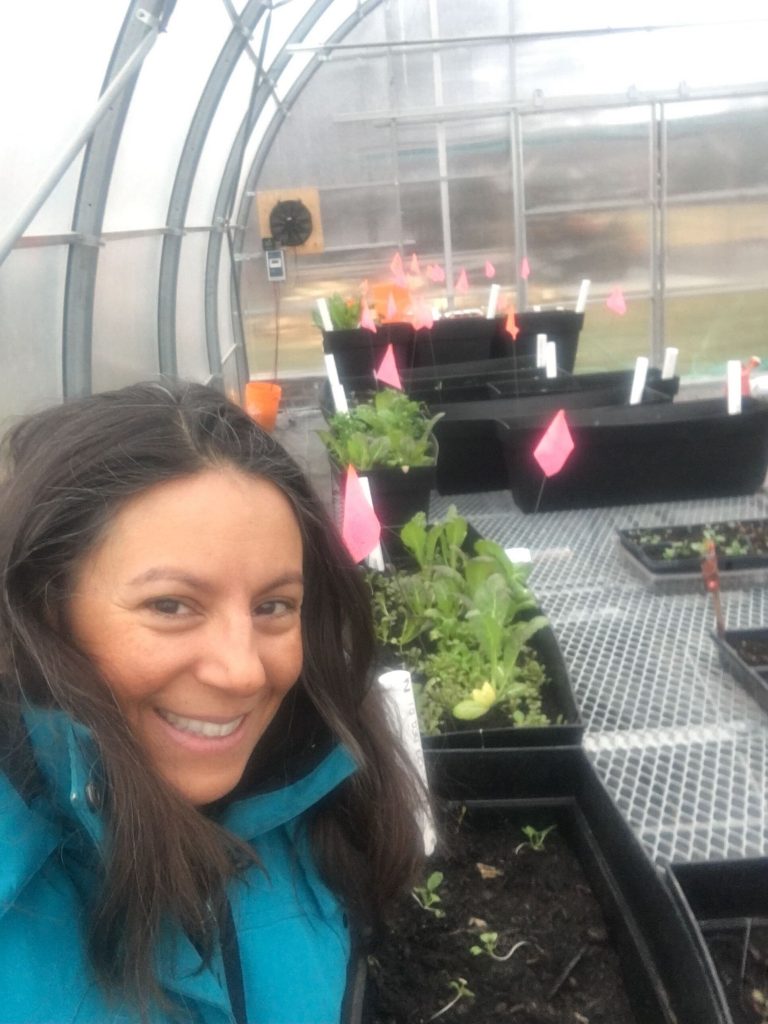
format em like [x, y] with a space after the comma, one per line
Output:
[113, 90]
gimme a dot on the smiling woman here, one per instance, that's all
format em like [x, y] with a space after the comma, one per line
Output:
[204, 802]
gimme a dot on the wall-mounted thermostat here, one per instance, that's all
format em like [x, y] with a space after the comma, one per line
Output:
[275, 264]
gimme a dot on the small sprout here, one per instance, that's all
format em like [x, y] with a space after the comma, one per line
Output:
[427, 895]
[459, 985]
[489, 941]
[534, 838]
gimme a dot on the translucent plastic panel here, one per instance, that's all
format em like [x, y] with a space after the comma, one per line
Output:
[717, 145]
[476, 74]
[125, 312]
[482, 221]
[711, 329]
[482, 17]
[191, 352]
[31, 297]
[53, 63]
[359, 217]
[164, 102]
[480, 146]
[422, 221]
[586, 156]
[417, 152]
[413, 81]
[561, 15]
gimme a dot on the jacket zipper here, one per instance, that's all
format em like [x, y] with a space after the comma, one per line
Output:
[233, 968]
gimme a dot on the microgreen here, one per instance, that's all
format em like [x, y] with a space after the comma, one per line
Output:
[427, 895]
[534, 838]
[489, 942]
[459, 985]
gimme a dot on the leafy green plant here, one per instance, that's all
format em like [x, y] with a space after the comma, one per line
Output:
[489, 942]
[427, 895]
[390, 430]
[344, 313]
[534, 838]
[461, 623]
[459, 986]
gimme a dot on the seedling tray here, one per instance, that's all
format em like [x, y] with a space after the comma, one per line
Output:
[645, 558]
[663, 974]
[723, 903]
[744, 653]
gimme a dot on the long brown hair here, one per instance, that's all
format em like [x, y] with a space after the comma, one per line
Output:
[69, 469]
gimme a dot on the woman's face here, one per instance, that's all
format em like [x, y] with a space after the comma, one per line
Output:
[190, 606]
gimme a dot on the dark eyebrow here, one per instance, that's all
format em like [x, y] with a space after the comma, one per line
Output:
[162, 572]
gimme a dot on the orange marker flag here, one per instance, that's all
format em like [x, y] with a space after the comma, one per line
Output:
[387, 372]
[510, 325]
[360, 527]
[462, 283]
[616, 302]
[555, 446]
[525, 269]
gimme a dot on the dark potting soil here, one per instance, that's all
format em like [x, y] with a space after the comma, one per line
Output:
[748, 995]
[745, 538]
[567, 970]
[752, 651]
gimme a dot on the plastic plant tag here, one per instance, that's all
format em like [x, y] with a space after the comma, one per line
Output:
[550, 358]
[670, 363]
[711, 575]
[375, 559]
[519, 556]
[638, 381]
[734, 386]
[337, 391]
[581, 301]
[493, 301]
[541, 349]
[325, 316]
[401, 711]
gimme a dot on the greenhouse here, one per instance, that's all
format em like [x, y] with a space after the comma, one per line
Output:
[383, 519]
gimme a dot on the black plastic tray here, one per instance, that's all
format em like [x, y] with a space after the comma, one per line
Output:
[664, 975]
[753, 677]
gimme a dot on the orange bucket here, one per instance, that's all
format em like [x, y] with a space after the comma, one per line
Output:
[262, 400]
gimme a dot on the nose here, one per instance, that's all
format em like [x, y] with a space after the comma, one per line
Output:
[231, 660]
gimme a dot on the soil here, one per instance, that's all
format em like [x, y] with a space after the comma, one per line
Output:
[752, 651]
[735, 540]
[747, 998]
[567, 970]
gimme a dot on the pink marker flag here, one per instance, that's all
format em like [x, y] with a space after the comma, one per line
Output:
[396, 266]
[616, 302]
[387, 371]
[360, 527]
[490, 270]
[510, 325]
[462, 283]
[414, 267]
[366, 317]
[391, 307]
[422, 316]
[435, 273]
[525, 269]
[364, 287]
[555, 446]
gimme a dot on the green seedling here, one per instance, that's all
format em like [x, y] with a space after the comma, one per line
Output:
[459, 985]
[534, 838]
[489, 941]
[427, 895]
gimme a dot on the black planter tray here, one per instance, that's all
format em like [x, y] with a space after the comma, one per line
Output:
[455, 340]
[397, 495]
[718, 901]
[562, 326]
[681, 575]
[472, 447]
[357, 352]
[744, 653]
[632, 454]
[663, 974]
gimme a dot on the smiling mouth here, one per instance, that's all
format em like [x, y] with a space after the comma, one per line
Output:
[198, 727]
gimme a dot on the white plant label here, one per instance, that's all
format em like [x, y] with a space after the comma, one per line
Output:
[581, 301]
[493, 301]
[518, 555]
[401, 710]
[337, 391]
[541, 349]
[670, 363]
[734, 386]
[325, 316]
[638, 381]
[550, 358]
[376, 558]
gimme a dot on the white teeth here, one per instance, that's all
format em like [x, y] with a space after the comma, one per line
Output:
[199, 728]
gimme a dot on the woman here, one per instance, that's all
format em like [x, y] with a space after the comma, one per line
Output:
[201, 801]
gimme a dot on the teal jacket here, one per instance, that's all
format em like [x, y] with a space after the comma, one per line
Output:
[286, 962]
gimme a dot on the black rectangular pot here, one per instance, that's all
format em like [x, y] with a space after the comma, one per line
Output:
[472, 456]
[358, 352]
[640, 453]
[663, 973]
[748, 667]
[397, 495]
[719, 897]
[455, 340]
[562, 326]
